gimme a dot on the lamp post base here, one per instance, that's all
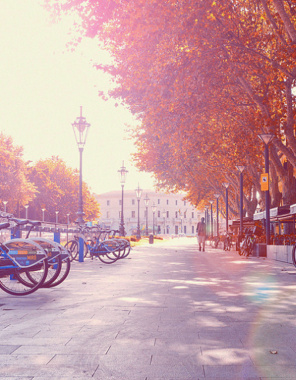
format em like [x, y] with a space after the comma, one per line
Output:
[80, 219]
[121, 230]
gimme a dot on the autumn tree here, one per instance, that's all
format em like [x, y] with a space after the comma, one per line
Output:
[204, 78]
[15, 188]
[57, 190]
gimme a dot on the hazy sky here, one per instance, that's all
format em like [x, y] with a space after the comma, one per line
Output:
[42, 88]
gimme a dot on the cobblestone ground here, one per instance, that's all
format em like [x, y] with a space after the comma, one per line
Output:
[166, 312]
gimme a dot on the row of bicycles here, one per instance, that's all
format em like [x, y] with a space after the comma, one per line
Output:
[244, 248]
[30, 263]
[98, 243]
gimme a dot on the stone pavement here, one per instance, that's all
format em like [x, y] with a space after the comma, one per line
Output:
[166, 312]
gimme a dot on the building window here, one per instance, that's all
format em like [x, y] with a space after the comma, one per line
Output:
[108, 203]
[192, 215]
[176, 202]
[133, 201]
[184, 203]
[133, 214]
[185, 229]
[167, 201]
[168, 214]
[107, 214]
[158, 214]
[176, 214]
[185, 215]
[119, 214]
[192, 229]
[158, 201]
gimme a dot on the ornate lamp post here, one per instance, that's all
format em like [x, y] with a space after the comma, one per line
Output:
[241, 168]
[5, 203]
[26, 207]
[146, 201]
[80, 128]
[211, 202]
[226, 185]
[122, 172]
[43, 210]
[267, 138]
[153, 211]
[217, 196]
[57, 216]
[164, 216]
[138, 193]
[207, 219]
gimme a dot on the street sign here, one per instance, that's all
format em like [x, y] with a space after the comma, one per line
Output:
[264, 182]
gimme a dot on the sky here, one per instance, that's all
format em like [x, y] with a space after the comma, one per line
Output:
[43, 85]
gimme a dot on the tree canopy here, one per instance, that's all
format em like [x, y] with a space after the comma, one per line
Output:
[49, 184]
[15, 188]
[57, 190]
[204, 77]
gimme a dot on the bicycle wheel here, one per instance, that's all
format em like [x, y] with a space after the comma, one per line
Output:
[54, 269]
[86, 244]
[12, 283]
[107, 258]
[66, 266]
[54, 251]
[28, 257]
[124, 249]
[73, 248]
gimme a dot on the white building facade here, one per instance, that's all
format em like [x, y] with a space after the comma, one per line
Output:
[172, 216]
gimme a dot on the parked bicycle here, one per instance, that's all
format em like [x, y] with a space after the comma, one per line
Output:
[21, 261]
[109, 248]
[73, 245]
[248, 243]
[227, 243]
[26, 278]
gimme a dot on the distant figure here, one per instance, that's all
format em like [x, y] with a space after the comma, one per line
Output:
[201, 234]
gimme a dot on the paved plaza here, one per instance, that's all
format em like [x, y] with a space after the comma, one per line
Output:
[166, 312]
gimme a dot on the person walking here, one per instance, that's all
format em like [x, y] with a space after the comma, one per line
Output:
[201, 234]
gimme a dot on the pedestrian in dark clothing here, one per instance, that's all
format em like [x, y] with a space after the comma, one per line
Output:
[201, 234]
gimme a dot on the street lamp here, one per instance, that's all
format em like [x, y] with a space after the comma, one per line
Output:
[211, 202]
[43, 210]
[217, 196]
[5, 203]
[153, 210]
[68, 222]
[164, 216]
[57, 216]
[26, 207]
[80, 128]
[266, 138]
[207, 219]
[146, 201]
[138, 193]
[241, 168]
[122, 172]
[226, 185]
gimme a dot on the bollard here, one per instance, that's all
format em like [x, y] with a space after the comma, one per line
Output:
[151, 239]
[81, 250]
[57, 237]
